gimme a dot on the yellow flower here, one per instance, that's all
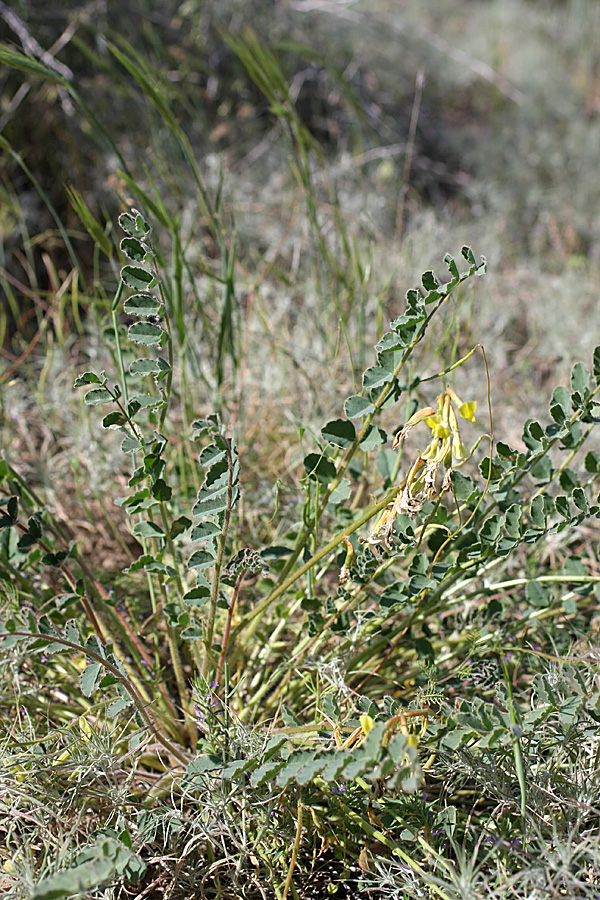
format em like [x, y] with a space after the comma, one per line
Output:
[467, 410]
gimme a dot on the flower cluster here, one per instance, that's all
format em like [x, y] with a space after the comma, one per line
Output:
[445, 450]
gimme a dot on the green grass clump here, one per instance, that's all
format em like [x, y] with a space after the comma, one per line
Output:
[283, 615]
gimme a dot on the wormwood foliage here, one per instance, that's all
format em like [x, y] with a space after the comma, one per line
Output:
[350, 690]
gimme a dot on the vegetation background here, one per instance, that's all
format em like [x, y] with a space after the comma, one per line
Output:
[341, 148]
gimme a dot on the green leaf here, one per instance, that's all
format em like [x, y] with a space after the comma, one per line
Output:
[395, 593]
[201, 559]
[137, 278]
[430, 282]
[592, 461]
[205, 530]
[373, 438]
[491, 529]
[386, 463]
[89, 678]
[142, 305]
[580, 379]
[217, 478]
[149, 366]
[133, 248]
[463, 485]
[339, 432]
[97, 396]
[341, 492]
[149, 564]
[568, 480]
[467, 253]
[193, 633]
[267, 770]
[35, 527]
[319, 468]
[54, 559]
[391, 340]
[143, 401]
[179, 525]
[580, 500]
[356, 406]
[8, 519]
[148, 530]
[275, 552]
[145, 333]
[512, 520]
[135, 502]
[452, 267]
[538, 512]
[543, 470]
[115, 419]
[537, 594]
[560, 405]
[198, 596]
[117, 706]
[212, 454]
[130, 444]
[134, 224]
[210, 502]
[161, 490]
[376, 376]
[199, 766]
[597, 363]
[96, 865]
[533, 434]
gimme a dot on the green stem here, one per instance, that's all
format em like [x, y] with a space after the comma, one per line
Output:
[119, 351]
[324, 551]
[517, 751]
[218, 564]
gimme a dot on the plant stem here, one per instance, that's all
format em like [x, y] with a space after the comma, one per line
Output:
[281, 588]
[295, 848]
[218, 564]
[517, 751]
